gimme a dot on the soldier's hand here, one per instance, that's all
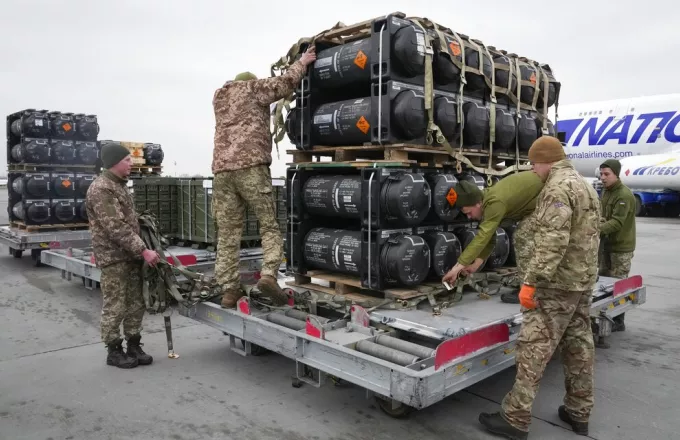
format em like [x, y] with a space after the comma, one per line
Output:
[474, 267]
[151, 257]
[309, 56]
[452, 275]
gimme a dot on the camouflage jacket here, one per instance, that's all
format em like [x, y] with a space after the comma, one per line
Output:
[113, 221]
[567, 234]
[242, 119]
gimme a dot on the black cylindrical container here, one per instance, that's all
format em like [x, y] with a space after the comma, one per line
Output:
[62, 185]
[82, 184]
[405, 260]
[500, 253]
[62, 125]
[153, 153]
[342, 65]
[34, 186]
[81, 211]
[505, 131]
[87, 153]
[338, 196]
[409, 119]
[63, 152]
[32, 151]
[35, 212]
[446, 116]
[405, 199]
[443, 196]
[476, 127]
[526, 131]
[474, 178]
[31, 124]
[342, 123]
[510, 230]
[337, 250]
[64, 210]
[87, 127]
[445, 248]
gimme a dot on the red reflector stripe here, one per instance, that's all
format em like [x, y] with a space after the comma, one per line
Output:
[186, 260]
[627, 285]
[466, 344]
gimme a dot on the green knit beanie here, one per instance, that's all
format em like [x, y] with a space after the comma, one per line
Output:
[245, 76]
[112, 153]
[613, 164]
[468, 194]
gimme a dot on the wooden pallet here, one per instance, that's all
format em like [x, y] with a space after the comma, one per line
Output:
[350, 287]
[45, 228]
[398, 154]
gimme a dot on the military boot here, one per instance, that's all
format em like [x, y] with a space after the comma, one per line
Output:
[134, 350]
[230, 297]
[580, 428]
[496, 424]
[270, 288]
[117, 356]
[510, 297]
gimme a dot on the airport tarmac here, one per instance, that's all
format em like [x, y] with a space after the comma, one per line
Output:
[55, 385]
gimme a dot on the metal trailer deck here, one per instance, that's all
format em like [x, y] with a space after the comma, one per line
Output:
[79, 262]
[406, 358]
[18, 241]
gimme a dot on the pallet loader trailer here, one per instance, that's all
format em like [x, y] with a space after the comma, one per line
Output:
[405, 358]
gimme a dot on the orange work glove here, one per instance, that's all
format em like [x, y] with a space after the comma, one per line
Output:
[526, 296]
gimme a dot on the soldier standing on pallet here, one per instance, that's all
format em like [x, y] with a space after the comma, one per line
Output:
[514, 198]
[617, 232]
[241, 160]
[120, 253]
[557, 294]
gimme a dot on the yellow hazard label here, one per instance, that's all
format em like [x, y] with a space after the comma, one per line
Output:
[363, 125]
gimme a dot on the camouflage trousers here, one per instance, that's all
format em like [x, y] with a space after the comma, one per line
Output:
[562, 320]
[232, 192]
[615, 264]
[123, 301]
[523, 241]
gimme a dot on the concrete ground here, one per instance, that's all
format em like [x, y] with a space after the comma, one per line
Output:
[55, 385]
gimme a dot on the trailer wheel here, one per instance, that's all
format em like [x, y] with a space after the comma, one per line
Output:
[672, 210]
[16, 253]
[399, 411]
[639, 210]
[35, 256]
[255, 350]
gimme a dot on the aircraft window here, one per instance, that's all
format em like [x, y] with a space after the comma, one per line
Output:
[632, 110]
[600, 111]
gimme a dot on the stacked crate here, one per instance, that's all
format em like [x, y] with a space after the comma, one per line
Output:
[147, 158]
[52, 158]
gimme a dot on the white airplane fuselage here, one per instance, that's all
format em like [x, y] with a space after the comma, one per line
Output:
[629, 130]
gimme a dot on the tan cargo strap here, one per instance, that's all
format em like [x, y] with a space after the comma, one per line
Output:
[545, 90]
[518, 115]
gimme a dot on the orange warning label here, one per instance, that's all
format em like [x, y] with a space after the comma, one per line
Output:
[452, 196]
[137, 152]
[67, 127]
[455, 48]
[360, 60]
[532, 79]
[66, 183]
[363, 125]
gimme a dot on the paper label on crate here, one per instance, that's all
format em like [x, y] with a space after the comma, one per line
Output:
[323, 62]
[420, 42]
[386, 233]
[207, 183]
[38, 122]
[323, 119]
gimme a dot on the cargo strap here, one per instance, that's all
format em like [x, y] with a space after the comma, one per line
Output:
[429, 96]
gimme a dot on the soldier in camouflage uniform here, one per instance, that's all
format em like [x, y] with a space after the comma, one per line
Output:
[512, 198]
[557, 295]
[617, 230]
[120, 253]
[241, 160]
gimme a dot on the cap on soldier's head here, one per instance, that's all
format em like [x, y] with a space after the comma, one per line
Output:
[468, 194]
[245, 76]
[612, 164]
[112, 153]
[546, 149]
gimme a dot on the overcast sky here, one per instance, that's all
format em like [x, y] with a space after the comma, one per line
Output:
[148, 69]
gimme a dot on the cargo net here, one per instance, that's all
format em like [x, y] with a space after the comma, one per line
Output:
[443, 57]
